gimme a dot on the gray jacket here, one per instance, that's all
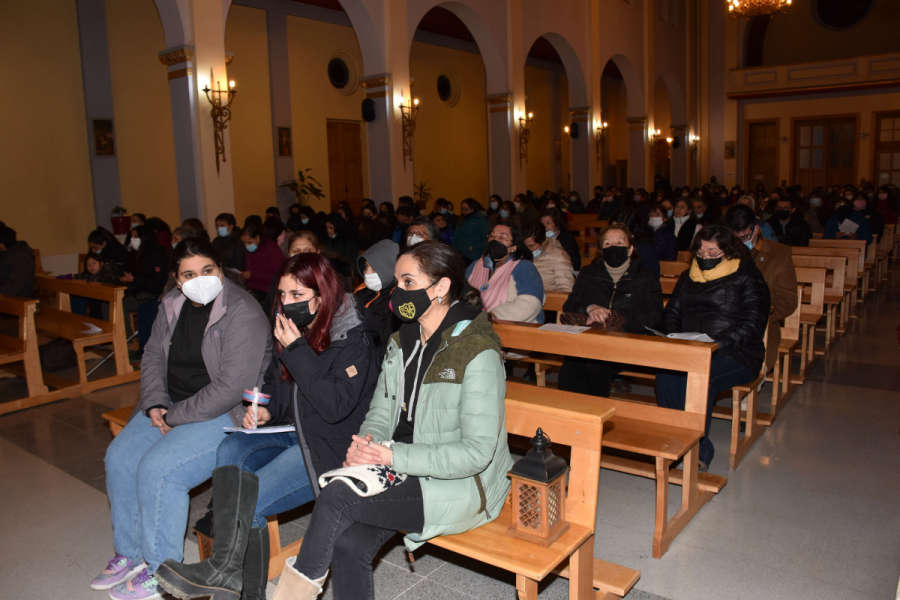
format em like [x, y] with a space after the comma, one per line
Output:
[237, 348]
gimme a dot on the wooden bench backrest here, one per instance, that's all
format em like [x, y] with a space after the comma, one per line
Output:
[575, 421]
[685, 256]
[851, 254]
[836, 265]
[694, 358]
[23, 309]
[673, 268]
[668, 285]
[887, 239]
[82, 257]
[791, 328]
[555, 301]
[74, 287]
[38, 264]
[858, 244]
[815, 278]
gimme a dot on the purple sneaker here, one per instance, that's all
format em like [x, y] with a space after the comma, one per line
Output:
[143, 587]
[119, 570]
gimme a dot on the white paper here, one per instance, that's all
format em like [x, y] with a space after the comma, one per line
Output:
[694, 336]
[562, 328]
[515, 355]
[92, 329]
[277, 429]
[849, 226]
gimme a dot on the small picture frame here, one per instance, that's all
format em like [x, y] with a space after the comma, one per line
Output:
[104, 137]
[284, 141]
[729, 150]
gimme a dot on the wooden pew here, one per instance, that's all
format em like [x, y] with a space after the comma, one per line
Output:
[662, 434]
[61, 322]
[850, 280]
[673, 268]
[20, 356]
[883, 251]
[864, 266]
[38, 263]
[781, 371]
[685, 256]
[835, 269]
[810, 314]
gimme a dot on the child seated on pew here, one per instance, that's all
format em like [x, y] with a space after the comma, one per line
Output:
[97, 270]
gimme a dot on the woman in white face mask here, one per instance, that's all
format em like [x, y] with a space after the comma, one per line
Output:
[210, 342]
[376, 265]
[664, 239]
[146, 272]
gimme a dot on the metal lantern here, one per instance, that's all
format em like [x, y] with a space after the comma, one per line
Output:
[539, 494]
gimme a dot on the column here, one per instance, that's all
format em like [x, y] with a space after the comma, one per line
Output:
[280, 93]
[581, 151]
[384, 155]
[680, 162]
[98, 103]
[638, 150]
[556, 127]
[500, 138]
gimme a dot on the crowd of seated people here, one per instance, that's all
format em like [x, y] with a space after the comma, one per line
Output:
[350, 321]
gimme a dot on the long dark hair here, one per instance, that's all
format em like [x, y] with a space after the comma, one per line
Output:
[314, 271]
[438, 260]
[724, 239]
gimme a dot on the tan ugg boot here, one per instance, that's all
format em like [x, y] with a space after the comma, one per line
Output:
[294, 585]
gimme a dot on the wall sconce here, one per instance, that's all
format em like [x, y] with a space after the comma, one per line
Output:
[865, 135]
[409, 127]
[695, 145]
[566, 129]
[599, 139]
[524, 133]
[221, 113]
[654, 137]
[785, 139]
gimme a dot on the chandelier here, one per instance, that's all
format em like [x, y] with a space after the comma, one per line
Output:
[757, 8]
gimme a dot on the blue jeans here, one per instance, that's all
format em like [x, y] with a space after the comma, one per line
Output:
[148, 476]
[277, 460]
[725, 373]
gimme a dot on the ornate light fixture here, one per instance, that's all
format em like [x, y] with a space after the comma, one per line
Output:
[654, 137]
[757, 8]
[599, 139]
[524, 133]
[408, 113]
[695, 145]
[221, 113]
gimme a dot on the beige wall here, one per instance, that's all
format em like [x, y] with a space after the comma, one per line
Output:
[798, 37]
[311, 45]
[803, 108]
[146, 146]
[450, 143]
[541, 147]
[45, 182]
[615, 113]
[251, 120]
[662, 109]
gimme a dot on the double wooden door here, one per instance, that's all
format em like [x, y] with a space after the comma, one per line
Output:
[825, 152]
[762, 155]
[345, 167]
[887, 149]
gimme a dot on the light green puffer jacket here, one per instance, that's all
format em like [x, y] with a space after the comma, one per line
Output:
[460, 450]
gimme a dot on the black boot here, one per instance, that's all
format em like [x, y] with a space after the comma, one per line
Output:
[256, 565]
[220, 576]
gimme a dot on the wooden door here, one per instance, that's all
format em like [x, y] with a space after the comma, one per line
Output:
[887, 149]
[345, 169]
[763, 155]
[825, 152]
[662, 159]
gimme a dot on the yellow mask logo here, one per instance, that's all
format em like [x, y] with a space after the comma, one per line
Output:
[408, 310]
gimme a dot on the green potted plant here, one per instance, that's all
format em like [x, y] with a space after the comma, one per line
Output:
[304, 186]
[422, 195]
[121, 223]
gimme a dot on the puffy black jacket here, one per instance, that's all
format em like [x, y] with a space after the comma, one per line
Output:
[637, 296]
[151, 270]
[571, 247]
[796, 232]
[733, 310]
[333, 389]
[379, 316]
[231, 250]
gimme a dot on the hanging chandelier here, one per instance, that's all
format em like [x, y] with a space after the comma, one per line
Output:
[757, 8]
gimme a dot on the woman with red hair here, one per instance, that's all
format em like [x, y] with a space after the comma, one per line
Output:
[321, 380]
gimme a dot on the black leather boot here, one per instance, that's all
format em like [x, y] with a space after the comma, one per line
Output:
[220, 577]
[256, 565]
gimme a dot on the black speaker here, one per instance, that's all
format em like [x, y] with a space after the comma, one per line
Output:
[574, 130]
[676, 143]
[368, 110]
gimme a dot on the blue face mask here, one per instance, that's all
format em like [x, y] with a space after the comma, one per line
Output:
[671, 212]
[551, 234]
[444, 211]
[536, 253]
[504, 214]
[304, 220]
[494, 205]
[251, 248]
[222, 231]
[133, 225]
[174, 244]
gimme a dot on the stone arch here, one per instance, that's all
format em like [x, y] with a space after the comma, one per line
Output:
[578, 90]
[676, 98]
[370, 38]
[633, 89]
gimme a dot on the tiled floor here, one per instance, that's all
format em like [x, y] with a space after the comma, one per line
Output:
[812, 513]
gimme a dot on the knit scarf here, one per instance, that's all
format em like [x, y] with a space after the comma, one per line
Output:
[494, 289]
[725, 268]
[754, 252]
[617, 272]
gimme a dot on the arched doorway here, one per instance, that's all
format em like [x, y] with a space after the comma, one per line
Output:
[622, 105]
[661, 144]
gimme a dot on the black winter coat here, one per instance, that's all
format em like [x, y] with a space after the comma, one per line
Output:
[379, 316]
[116, 254]
[571, 247]
[151, 270]
[686, 233]
[733, 310]
[231, 250]
[333, 391]
[797, 232]
[637, 296]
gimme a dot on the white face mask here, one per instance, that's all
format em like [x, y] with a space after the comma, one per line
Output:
[203, 289]
[135, 243]
[656, 222]
[573, 198]
[373, 281]
[413, 240]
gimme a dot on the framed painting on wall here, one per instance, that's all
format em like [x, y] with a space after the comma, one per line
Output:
[104, 139]
[729, 150]
[284, 141]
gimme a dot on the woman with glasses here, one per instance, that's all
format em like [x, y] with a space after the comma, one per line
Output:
[723, 295]
[511, 286]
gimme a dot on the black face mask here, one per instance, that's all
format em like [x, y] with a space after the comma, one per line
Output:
[298, 312]
[409, 305]
[706, 264]
[496, 250]
[783, 215]
[615, 256]
[842, 212]
[366, 217]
